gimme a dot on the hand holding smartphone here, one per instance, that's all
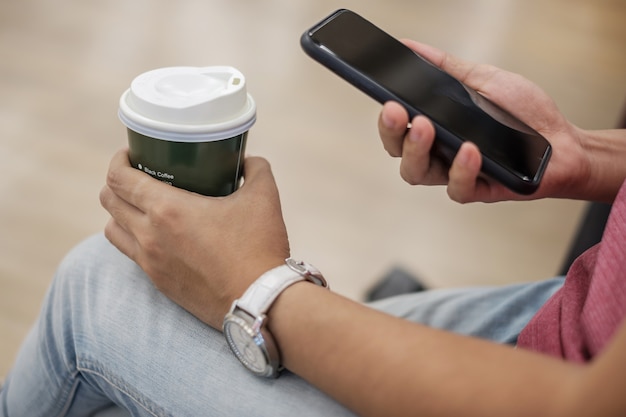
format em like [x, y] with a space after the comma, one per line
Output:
[387, 70]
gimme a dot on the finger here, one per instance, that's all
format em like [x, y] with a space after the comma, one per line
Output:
[463, 175]
[499, 86]
[417, 166]
[490, 81]
[257, 170]
[135, 187]
[428, 52]
[392, 127]
[121, 239]
[255, 166]
[470, 73]
[125, 215]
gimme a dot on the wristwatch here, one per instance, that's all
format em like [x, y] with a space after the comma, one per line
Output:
[245, 325]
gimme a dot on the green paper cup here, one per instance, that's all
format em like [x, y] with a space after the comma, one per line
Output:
[187, 126]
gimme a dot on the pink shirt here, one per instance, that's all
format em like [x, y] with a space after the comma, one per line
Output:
[582, 317]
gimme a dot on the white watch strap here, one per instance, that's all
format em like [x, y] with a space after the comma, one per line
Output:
[261, 294]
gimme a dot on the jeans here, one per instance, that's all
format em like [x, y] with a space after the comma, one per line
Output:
[106, 336]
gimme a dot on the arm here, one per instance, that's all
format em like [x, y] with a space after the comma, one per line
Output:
[374, 363]
[380, 365]
[585, 164]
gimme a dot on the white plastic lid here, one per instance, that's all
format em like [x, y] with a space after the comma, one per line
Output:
[188, 104]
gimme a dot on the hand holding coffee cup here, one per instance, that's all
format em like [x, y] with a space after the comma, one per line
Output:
[188, 126]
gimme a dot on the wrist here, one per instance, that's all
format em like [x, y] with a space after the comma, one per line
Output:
[245, 326]
[605, 152]
[245, 274]
[293, 313]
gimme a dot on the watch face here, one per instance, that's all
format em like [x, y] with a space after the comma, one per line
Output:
[246, 345]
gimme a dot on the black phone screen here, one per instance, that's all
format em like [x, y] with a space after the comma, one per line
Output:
[428, 90]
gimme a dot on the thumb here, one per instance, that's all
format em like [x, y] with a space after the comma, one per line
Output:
[257, 170]
[463, 174]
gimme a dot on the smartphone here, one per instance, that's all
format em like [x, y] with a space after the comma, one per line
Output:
[385, 69]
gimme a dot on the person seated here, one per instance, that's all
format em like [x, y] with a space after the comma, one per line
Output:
[135, 319]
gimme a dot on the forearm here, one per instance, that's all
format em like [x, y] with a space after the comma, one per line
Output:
[379, 365]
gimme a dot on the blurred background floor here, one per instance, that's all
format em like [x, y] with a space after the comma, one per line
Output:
[64, 64]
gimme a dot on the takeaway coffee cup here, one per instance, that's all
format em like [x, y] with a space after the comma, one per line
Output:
[187, 126]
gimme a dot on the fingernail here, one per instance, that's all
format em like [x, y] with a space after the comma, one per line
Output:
[464, 157]
[414, 134]
[388, 121]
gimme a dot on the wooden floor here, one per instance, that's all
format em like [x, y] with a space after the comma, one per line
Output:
[64, 64]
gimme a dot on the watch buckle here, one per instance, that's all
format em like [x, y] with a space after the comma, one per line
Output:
[306, 271]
